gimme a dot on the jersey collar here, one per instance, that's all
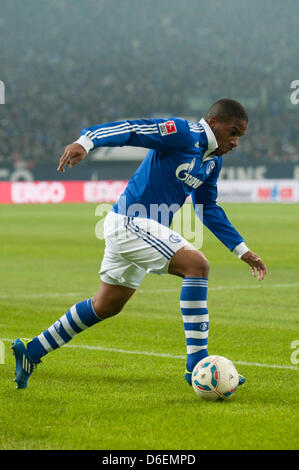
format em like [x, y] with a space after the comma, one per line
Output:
[212, 142]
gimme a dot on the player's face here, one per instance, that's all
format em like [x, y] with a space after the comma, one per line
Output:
[228, 133]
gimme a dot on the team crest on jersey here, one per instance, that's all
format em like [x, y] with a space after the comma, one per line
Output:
[174, 238]
[167, 128]
[210, 167]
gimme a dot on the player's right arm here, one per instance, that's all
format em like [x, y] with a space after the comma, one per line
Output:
[157, 134]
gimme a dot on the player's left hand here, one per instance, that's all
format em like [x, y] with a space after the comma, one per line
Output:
[72, 155]
[257, 265]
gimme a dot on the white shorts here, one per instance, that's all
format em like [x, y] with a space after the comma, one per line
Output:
[136, 246]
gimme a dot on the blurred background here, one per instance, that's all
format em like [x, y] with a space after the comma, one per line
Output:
[68, 64]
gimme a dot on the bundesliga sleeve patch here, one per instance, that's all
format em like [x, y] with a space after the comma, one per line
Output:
[167, 128]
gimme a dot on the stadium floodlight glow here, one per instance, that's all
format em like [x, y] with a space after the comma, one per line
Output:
[2, 92]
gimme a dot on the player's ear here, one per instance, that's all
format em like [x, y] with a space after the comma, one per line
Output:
[212, 121]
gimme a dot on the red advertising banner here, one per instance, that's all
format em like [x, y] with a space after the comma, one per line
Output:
[55, 192]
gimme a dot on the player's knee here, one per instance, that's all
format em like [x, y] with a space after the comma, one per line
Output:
[103, 311]
[189, 263]
[199, 268]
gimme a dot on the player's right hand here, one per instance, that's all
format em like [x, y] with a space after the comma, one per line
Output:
[72, 155]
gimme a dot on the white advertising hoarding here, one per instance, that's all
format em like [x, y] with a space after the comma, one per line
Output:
[258, 190]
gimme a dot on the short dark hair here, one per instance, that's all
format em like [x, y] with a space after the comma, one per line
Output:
[227, 109]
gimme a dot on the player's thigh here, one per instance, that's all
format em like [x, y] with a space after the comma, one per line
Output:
[151, 245]
[189, 262]
[110, 299]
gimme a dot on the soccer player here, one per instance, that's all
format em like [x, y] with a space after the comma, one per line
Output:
[184, 158]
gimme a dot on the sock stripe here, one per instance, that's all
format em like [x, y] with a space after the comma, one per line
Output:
[77, 319]
[196, 334]
[86, 313]
[197, 341]
[57, 338]
[44, 342]
[73, 325]
[194, 311]
[197, 326]
[195, 282]
[196, 318]
[61, 331]
[197, 279]
[67, 327]
[50, 339]
[193, 303]
[194, 350]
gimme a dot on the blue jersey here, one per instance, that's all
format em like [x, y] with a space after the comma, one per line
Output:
[180, 162]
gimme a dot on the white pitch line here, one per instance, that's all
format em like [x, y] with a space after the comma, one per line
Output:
[220, 288]
[172, 289]
[170, 356]
[46, 295]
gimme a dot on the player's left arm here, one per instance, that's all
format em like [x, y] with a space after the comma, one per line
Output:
[215, 219]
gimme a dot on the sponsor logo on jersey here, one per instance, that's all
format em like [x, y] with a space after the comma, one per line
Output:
[167, 128]
[183, 174]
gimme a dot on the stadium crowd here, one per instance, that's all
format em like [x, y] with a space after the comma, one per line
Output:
[69, 64]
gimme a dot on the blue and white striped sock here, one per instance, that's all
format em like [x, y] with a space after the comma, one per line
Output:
[193, 303]
[80, 317]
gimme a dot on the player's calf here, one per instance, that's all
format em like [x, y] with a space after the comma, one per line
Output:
[194, 267]
[108, 301]
[193, 303]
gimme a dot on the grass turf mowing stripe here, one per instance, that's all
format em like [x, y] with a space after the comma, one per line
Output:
[170, 356]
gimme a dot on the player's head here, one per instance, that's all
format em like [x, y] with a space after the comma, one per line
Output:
[229, 121]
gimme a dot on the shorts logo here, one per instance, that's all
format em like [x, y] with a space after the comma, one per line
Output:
[167, 128]
[174, 238]
[210, 167]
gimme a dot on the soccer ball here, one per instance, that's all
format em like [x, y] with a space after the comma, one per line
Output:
[215, 378]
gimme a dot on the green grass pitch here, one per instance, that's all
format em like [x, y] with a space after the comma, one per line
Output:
[120, 384]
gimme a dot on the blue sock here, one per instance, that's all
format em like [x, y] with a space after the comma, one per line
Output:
[80, 317]
[193, 303]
